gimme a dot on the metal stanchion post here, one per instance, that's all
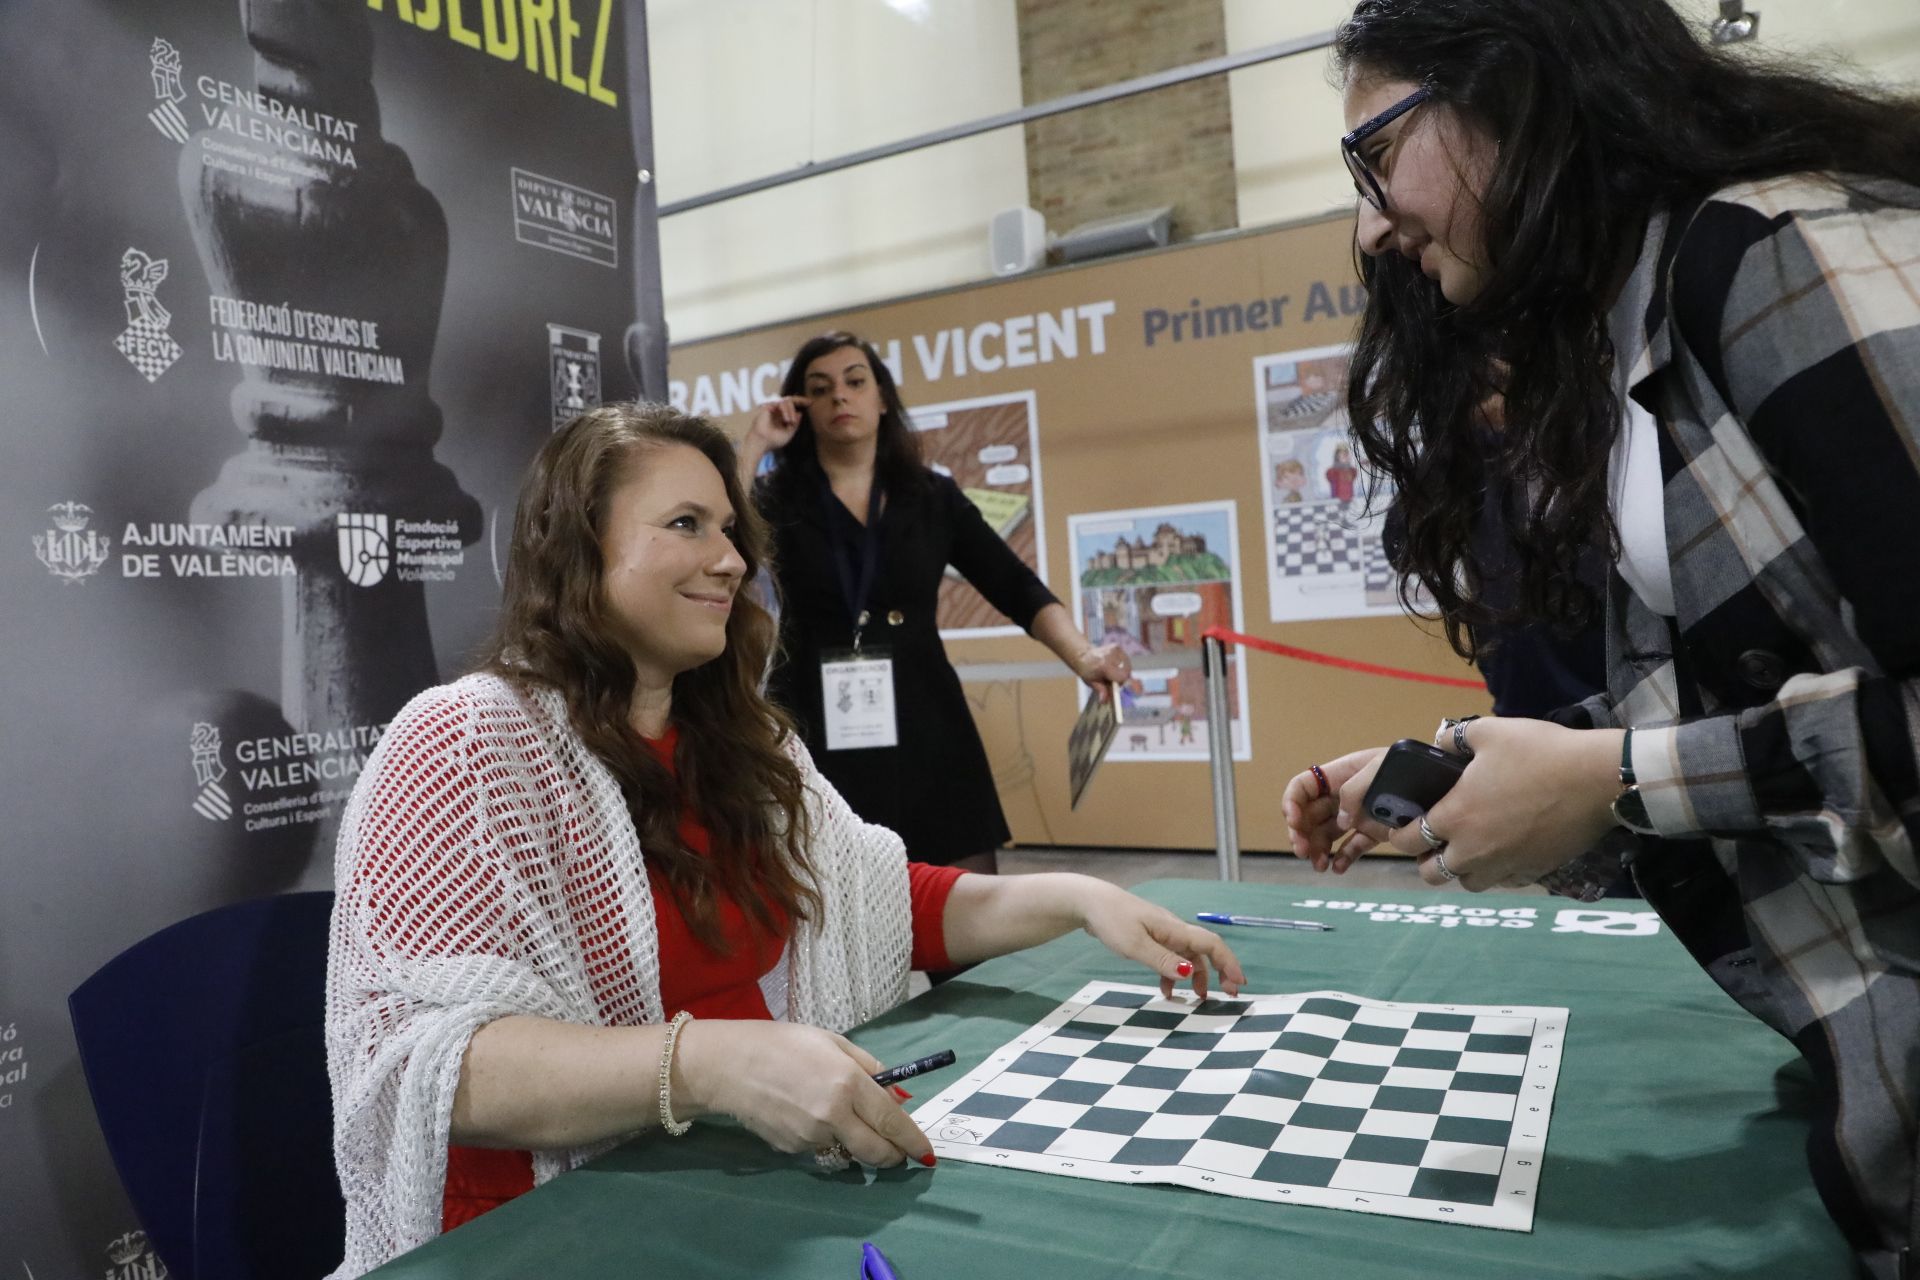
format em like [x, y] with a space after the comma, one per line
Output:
[1226, 825]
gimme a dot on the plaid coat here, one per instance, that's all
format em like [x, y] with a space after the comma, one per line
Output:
[1775, 336]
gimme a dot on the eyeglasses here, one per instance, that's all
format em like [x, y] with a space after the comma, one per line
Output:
[1365, 181]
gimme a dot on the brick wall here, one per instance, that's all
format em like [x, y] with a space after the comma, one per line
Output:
[1171, 147]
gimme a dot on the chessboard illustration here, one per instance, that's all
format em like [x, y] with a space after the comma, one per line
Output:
[1317, 538]
[1424, 1111]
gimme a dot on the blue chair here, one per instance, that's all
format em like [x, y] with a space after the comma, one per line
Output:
[204, 1051]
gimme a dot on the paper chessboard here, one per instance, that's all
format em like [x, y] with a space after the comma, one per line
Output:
[1411, 1110]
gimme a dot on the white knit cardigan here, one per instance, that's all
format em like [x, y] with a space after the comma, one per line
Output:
[484, 854]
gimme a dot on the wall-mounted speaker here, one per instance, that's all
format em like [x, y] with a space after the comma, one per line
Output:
[1017, 241]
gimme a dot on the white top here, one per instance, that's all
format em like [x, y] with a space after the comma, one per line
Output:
[484, 853]
[1635, 492]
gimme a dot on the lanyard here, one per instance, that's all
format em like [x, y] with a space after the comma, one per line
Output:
[854, 593]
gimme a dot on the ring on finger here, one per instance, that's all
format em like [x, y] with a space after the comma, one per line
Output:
[1440, 861]
[1320, 777]
[833, 1157]
[1434, 842]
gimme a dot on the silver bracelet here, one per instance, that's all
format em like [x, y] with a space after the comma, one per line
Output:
[667, 1122]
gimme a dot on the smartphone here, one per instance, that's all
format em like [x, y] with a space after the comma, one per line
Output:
[1412, 778]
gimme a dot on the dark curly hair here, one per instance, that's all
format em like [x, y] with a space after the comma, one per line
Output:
[1603, 112]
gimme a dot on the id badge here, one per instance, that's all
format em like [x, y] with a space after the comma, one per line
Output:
[857, 691]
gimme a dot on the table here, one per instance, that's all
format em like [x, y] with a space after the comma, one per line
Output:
[1676, 1146]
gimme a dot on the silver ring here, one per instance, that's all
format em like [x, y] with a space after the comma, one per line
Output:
[833, 1158]
[1440, 861]
[1434, 842]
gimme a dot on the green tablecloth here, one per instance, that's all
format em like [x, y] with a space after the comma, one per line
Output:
[1676, 1147]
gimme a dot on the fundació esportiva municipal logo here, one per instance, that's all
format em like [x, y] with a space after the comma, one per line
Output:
[145, 341]
[574, 359]
[71, 551]
[365, 552]
[210, 801]
[168, 92]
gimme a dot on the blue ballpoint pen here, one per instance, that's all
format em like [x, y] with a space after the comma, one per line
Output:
[1264, 922]
[874, 1264]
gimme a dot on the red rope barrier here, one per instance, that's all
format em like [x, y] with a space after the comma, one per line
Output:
[1328, 660]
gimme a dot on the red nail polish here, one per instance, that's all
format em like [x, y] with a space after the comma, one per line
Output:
[1184, 968]
[898, 1092]
[928, 1160]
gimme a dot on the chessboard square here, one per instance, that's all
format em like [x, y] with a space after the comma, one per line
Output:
[1258, 1134]
[1380, 1179]
[1122, 999]
[1487, 1133]
[1422, 1039]
[1444, 1022]
[1207, 1024]
[1064, 1046]
[1152, 1151]
[1035, 1138]
[1479, 1043]
[1301, 1042]
[1362, 1033]
[1381, 1149]
[1078, 1030]
[1186, 1038]
[1481, 1106]
[1205, 1081]
[994, 1106]
[1480, 1082]
[1467, 1157]
[1081, 1091]
[1132, 1098]
[1293, 1062]
[1428, 1059]
[1224, 1157]
[1224, 1061]
[1318, 1116]
[1196, 1104]
[1424, 1101]
[1254, 1106]
[1278, 1084]
[1153, 1078]
[1237, 1040]
[1082, 1144]
[1112, 1120]
[1341, 1009]
[1263, 1022]
[1041, 1064]
[1115, 1052]
[1326, 1143]
[1057, 1115]
[1319, 1024]
[1341, 1093]
[1296, 1169]
[1401, 1124]
[1354, 1072]
[1456, 1186]
[1157, 1019]
[1493, 1024]
[1417, 1078]
[1492, 1064]
[1215, 1008]
[1148, 1036]
[1372, 1016]
[1104, 1017]
[1096, 1071]
[1181, 1059]
[1017, 1085]
[1377, 1055]
[1166, 1125]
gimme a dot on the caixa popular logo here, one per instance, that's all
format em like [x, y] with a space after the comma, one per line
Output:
[71, 551]
[365, 552]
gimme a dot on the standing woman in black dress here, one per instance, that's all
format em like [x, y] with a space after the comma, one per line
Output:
[863, 534]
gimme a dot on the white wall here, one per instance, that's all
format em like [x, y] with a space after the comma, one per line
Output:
[1286, 117]
[747, 88]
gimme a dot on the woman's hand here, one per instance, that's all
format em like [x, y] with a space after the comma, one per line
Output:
[1535, 796]
[1104, 667]
[774, 423]
[1313, 809]
[799, 1088]
[1136, 929]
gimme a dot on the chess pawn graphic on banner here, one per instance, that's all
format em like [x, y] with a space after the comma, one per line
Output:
[332, 233]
